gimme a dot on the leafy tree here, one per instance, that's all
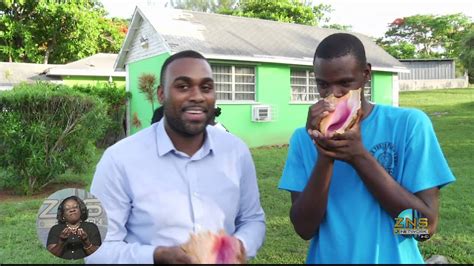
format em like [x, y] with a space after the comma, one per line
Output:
[213, 6]
[292, 11]
[338, 27]
[467, 53]
[401, 50]
[56, 31]
[433, 36]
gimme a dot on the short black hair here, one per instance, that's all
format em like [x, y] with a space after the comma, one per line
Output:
[341, 44]
[217, 111]
[157, 115]
[82, 208]
[179, 55]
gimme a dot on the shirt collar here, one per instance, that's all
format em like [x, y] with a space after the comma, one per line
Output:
[165, 145]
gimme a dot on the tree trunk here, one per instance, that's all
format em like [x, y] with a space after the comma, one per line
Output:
[46, 56]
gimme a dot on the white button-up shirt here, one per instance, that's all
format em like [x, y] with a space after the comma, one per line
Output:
[155, 195]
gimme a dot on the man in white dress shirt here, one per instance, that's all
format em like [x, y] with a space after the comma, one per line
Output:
[177, 177]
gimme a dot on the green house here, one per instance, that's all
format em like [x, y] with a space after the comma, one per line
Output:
[262, 69]
[98, 68]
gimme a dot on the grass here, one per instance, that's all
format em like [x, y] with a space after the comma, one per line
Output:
[452, 113]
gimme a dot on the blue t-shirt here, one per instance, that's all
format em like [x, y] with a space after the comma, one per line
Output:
[356, 229]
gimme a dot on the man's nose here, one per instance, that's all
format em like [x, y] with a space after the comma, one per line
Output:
[196, 94]
[338, 91]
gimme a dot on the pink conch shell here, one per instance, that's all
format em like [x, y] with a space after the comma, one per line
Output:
[210, 248]
[347, 113]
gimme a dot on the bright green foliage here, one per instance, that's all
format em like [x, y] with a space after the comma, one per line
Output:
[115, 97]
[56, 31]
[467, 53]
[401, 50]
[292, 11]
[47, 129]
[213, 6]
[432, 36]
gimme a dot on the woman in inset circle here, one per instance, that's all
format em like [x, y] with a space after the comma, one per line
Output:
[73, 237]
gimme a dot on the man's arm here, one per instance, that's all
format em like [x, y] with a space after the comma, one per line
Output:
[250, 221]
[391, 195]
[309, 207]
[111, 187]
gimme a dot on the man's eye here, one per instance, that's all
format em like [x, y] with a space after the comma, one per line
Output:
[206, 87]
[182, 86]
[321, 85]
[346, 84]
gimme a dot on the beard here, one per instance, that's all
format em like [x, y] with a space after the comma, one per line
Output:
[183, 127]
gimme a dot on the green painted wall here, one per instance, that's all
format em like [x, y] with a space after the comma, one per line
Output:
[273, 88]
[138, 103]
[86, 80]
[382, 88]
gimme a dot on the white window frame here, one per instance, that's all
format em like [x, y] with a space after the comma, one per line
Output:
[307, 85]
[233, 83]
[368, 92]
[368, 89]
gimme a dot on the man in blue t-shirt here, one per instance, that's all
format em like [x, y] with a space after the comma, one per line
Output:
[348, 190]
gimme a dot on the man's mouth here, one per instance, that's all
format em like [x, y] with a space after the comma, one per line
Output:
[195, 113]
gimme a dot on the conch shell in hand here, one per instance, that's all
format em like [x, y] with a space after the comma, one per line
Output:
[347, 112]
[210, 248]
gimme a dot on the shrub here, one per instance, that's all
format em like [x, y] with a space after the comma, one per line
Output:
[47, 129]
[116, 98]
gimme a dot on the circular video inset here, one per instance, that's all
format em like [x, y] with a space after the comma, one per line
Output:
[71, 223]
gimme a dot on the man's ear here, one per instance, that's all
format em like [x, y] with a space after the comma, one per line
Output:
[161, 94]
[368, 71]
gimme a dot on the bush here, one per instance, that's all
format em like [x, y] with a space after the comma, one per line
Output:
[47, 129]
[116, 98]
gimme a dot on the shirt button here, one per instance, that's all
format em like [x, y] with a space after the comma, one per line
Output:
[198, 227]
[72, 251]
[196, 194]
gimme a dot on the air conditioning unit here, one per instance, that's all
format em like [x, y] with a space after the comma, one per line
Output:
[261, 113]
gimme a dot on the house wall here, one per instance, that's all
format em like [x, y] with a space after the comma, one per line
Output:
[138, 103]
[83, 80]
[273, 88]
[382, 88]
[155, 44]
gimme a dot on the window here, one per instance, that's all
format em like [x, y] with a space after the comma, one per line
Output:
[303, 86]
[234, 83]
[368, 90]
[304, 89]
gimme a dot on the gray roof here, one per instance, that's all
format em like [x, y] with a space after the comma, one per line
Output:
[100, 64]
[231, 37]
[15, 73]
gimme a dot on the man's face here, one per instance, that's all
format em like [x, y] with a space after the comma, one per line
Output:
[188, 96]
[340, 75]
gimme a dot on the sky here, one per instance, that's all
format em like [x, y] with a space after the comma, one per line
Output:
[369, 17]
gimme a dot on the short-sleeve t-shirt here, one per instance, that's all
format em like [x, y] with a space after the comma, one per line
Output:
[356, 229]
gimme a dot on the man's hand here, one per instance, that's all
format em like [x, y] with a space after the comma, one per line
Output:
[318, 111]
[345, 147]
[242, 256]
[172, 255]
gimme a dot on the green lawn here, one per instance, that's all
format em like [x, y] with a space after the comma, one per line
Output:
[452, 112]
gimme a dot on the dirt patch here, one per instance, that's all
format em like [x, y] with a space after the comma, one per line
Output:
[9, 195]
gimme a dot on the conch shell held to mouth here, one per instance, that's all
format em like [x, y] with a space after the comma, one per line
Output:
[347, 112]
[210, 248]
